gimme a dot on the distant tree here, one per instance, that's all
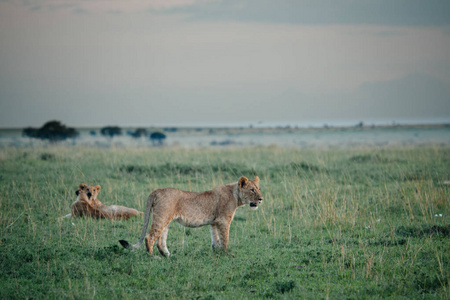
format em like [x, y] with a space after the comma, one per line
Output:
[170, 129]
[157, 138]
[111, 131]
[139, 132]
[54, 131]
[30, 132]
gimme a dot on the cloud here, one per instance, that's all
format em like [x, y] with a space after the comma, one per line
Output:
[305, 12]
[325, 12]
[98, 6]
[156, 67]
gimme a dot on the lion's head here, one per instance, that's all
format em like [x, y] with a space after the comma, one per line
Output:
[88, 192]
[249, 192]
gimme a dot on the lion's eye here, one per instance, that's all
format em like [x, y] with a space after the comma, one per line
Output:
[253, 190]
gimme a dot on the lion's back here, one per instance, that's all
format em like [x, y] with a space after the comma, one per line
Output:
[188, 208]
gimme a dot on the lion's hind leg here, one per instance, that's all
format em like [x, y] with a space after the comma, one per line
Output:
[155, 233]
[162, 242]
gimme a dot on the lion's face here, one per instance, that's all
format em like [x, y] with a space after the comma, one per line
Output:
[249, 192]
[88, 191]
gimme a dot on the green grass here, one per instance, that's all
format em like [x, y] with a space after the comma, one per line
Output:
[355, 223]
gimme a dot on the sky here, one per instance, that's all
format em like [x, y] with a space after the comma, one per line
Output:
[223, 63]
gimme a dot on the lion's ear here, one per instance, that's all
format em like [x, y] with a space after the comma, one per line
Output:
[98, 187]
[243, 181]
[82, 185]
[256, 181]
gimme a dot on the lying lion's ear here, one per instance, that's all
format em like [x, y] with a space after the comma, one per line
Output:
[243, 181]
[98, 187]
[82, 185]
[256, 181]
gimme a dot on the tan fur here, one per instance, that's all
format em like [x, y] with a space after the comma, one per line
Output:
[215, 208]
[88, 205]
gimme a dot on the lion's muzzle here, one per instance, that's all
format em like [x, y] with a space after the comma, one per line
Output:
[254, 205]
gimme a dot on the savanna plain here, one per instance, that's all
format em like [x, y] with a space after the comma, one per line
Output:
[335, 223]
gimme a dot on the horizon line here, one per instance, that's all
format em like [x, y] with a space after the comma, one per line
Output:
[274, 125]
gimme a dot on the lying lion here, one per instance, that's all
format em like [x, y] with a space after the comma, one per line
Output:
[88, 205]
[215, 208]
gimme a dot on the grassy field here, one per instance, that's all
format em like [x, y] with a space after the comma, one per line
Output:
[356, 223]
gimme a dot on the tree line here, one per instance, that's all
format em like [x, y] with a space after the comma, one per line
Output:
[55, 131]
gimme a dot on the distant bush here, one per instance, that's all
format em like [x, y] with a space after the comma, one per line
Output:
[139, 132]
[222, 143]
[111, 131]
[53, 131]
[170, 129]
[157, 138]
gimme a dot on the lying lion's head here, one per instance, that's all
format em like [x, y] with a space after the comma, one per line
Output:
[89, 192]
[249, 192]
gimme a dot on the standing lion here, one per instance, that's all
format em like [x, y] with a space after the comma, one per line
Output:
[215, 208]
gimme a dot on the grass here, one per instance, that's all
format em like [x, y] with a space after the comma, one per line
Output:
[356, 223]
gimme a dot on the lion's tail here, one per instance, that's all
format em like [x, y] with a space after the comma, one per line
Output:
[148, 210]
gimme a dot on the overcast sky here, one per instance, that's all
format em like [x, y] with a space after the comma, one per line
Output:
[212, 62]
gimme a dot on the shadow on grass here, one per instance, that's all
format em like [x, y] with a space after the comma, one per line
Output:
[423, 231]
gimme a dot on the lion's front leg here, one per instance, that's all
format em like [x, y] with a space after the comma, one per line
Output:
[224, 230]
[215, 241]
